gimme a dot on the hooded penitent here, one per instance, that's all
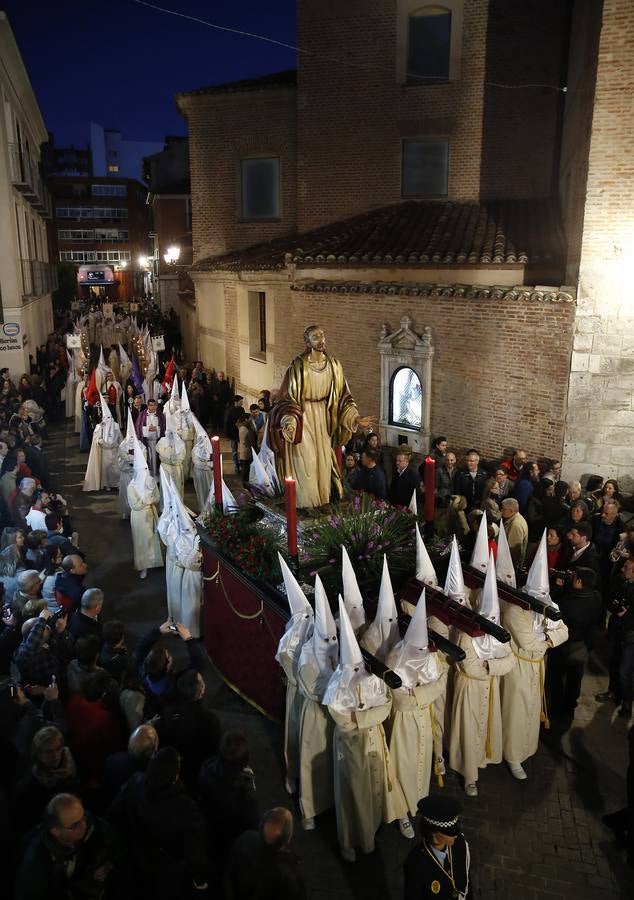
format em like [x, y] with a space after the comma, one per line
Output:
[480, 555]
[538, 584]
[486, 646]
[166, 525]
[351, 593]
[425, 571]
[381, 635]
[321, 651]
[351, 687]
[454, 582]
[411, 658]
[142, 480]
[299, 626]
[504, 566]
[110, 431]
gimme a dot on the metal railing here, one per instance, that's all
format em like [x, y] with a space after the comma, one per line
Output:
[38, 278]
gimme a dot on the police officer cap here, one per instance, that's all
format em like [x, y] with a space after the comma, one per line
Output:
[440, 813]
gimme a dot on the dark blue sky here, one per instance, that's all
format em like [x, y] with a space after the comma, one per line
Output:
[120, 64]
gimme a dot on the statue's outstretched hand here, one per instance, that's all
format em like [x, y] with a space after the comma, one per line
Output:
[289, 427]
[366, 422]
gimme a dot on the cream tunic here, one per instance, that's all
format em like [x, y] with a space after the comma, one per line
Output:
[412, 739]
[171, 452]
[475, 738]
[310, 462]
[523, 688]
[143, 519]
[367, 791]
[316, 780]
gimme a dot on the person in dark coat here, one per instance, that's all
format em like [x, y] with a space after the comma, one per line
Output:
[113, 655]
[188, 725]
[470, 483]
[53, 771]
[163, 828]
[580, 552]
[232, 417]
[69, 584]
[72, 854]
[406, 481]
[262, 865]
[156, 665]
[226, 788]
[581, 609]
[369, 477]
[120, 766]
[439, 865]
[85, 620]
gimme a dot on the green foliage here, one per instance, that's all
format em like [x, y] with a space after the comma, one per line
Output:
[251, 547]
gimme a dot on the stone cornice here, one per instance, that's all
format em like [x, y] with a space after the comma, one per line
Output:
[522, 293]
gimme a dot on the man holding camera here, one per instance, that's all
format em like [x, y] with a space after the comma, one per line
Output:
[581, 607]
[621, 640]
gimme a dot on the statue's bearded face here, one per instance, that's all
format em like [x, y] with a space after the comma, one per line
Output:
[316, 340]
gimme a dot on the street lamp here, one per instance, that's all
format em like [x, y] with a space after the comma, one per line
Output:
[143, 262]
[172, 255]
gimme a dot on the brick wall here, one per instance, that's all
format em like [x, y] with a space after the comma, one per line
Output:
[352, 113]
[499, 373]
[600, 420]
[223, 128]
[526, 45]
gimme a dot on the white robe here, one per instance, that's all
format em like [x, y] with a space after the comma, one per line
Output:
[202, 472]
[475, 737]
[367, 791]
[183, 425]
[143, 519]
[102, 470]
[126, 473]
[523, 688]
[298, 630]
[412, 739]
[185, 582]
[316, 727]
[172, 456]
[71, 393]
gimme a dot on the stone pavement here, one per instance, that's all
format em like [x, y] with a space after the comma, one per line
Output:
[530, 840]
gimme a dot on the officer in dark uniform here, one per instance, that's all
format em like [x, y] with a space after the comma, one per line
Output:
[438, 867]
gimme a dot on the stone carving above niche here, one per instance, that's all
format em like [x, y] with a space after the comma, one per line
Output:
[406, 363]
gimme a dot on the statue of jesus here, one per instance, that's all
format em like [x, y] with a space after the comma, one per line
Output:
[315, 412]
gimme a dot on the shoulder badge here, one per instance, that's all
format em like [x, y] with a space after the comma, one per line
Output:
[435, 887]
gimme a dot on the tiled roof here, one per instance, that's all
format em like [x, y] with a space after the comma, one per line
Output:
[272, 80]
[414, 233]
[564, 294]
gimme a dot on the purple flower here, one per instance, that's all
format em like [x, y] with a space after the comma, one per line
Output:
[331, 561]
[371, 545]
[360, 556]
[312, 574]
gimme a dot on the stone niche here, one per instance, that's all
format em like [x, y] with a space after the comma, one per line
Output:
[406, 360]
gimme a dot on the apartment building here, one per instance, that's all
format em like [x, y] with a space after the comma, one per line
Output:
[27, 276]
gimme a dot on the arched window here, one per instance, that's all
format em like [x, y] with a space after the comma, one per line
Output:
[406, 399]
[428, 45]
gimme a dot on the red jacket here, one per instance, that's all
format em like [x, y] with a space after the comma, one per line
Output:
[94, 733]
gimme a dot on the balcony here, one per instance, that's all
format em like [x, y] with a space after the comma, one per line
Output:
[38, 278]
[25, 176]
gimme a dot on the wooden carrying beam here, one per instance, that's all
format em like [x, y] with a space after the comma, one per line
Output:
[451, 612]
[475, 579]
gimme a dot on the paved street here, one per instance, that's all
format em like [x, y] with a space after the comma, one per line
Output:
[536, 839]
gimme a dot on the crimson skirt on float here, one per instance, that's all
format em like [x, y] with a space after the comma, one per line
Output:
[243, 621]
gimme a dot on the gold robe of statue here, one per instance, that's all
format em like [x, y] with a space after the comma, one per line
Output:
[316, 400]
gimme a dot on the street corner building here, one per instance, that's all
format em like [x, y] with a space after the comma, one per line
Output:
[452, 208]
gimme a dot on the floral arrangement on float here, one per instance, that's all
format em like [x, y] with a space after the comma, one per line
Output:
[369, 529]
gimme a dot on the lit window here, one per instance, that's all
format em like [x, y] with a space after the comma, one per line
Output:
[425, 167]
[257, 325]
[113, 168]
[428, 45]
[406, 399]
[260, 188]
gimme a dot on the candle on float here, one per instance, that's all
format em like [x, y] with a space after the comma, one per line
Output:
[339, 455]
[215, 456]
[290, 499]
[430, 488]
